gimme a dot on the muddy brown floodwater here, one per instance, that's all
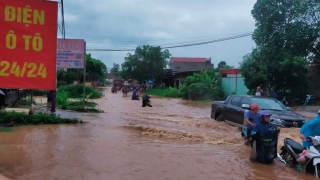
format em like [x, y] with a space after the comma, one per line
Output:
[173, 140]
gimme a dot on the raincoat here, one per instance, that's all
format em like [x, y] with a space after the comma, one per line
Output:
[134, 95]
[311, 128]
[266, 140]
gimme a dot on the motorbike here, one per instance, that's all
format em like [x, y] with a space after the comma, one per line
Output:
[275, 122]
[292, 152]
[136, 97]
[268, 148]
[146, 100]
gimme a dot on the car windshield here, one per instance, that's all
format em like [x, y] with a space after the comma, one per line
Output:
[269, 104]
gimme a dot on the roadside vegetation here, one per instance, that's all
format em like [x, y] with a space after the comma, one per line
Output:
[165, 92]
[63, 102]
[75, 91]
[288, 46]
[205, 86]
[202, 86]
[10, 118]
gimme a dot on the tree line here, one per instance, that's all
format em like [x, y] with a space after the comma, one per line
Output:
[287, 35]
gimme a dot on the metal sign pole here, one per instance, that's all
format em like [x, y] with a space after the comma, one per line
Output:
[84, 77]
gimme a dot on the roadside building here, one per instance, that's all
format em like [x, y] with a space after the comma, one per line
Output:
[180, 68]
[232, 82]
[183, 64]
[174, 78]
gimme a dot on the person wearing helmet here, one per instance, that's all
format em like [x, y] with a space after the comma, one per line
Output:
[264, 127]
[265, 140]
[310, 128]
[251, 117]
[146, 100]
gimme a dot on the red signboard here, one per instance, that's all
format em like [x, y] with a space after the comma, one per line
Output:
[28, 43]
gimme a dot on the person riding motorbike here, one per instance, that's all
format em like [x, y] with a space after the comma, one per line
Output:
[266, 139]
[146, 100]
[135, 95]
[310, 128]
[251, 117]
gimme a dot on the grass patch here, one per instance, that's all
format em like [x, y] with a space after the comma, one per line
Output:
[169, 92]
[74, 92]
[65, 104]
[6, 129]
[16, 118]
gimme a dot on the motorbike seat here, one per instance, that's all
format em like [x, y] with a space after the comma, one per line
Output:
[296, 147]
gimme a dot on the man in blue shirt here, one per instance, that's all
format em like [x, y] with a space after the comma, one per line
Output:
[251, 117]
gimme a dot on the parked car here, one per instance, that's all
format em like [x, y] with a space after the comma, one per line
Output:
[233, 108]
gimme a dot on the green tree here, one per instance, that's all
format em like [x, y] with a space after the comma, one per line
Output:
[289, 25]
[95, 69]
[146, 62]
[287, 37]
[223, 65]
[115, 68]
[205, 84]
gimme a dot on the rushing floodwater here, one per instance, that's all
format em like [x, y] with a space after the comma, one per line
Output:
[173, 140]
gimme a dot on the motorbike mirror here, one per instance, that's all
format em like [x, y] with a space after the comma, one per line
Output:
[245, 106]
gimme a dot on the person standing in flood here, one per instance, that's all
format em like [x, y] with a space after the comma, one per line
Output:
[53, 95]
[49, 101]
[115, 89]
[251, 117]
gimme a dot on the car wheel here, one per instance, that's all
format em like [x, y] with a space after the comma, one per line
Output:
[220, 118]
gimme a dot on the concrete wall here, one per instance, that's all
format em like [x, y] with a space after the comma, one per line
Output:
[190, 66]
[181, 81]
[229, 86]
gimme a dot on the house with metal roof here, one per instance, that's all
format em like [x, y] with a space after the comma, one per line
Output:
[183, 64]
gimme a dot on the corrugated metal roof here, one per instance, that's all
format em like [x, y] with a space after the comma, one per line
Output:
[188, 59]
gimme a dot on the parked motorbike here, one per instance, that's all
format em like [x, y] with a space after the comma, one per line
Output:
[292, 154]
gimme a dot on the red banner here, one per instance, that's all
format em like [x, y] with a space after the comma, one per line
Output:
[28, 43]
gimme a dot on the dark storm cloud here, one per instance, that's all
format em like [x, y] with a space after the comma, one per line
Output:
[112, 23]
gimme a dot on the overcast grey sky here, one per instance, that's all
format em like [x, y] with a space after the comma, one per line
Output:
[118, 24]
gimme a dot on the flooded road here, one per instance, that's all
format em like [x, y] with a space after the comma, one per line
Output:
[173, 140]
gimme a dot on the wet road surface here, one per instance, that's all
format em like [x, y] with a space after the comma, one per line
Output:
[174, 139]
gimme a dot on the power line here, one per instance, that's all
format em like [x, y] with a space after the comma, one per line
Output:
[146, 40]
[183, 45]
